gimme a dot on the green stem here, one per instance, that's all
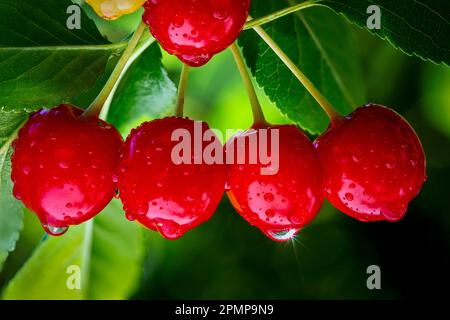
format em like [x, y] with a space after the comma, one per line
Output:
[258, 115]
[182, 90]
[96, 107]
[278, 14]
[321, 100]
[86, 257]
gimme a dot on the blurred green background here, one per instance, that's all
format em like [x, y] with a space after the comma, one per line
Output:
[227, 258]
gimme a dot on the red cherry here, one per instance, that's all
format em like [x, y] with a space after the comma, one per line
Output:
[63, 167]
[282, 203]
[374, 164]
[196, 30]
[158, 191]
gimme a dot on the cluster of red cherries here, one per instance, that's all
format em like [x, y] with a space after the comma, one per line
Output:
[66, 167]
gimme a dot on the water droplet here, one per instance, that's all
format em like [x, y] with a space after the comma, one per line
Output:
[349, 196]
[170, 230]
[69, 205]
[282, 235]
[17, 194]
[26, 170]
[390, 165]
[414, 162]
[130, 216]
[270, 213]
[269, 197]
[142, 210]
[55, 231]
[352, 186]
[295, 219]
[178, 21]
[220, 14]
[63, 165]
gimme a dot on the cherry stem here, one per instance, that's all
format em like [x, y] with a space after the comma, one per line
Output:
[258, 115]
[182, 90]
[278, 14]
[96, 106]
[321, 100]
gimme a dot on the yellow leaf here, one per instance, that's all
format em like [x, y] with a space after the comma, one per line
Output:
[113, 9]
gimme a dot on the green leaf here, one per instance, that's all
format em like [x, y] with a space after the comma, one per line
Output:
[416, 27]
[35, 23]
[108, 251]
[10, 208]
[145, 92]
[42, 62]
[327, 57]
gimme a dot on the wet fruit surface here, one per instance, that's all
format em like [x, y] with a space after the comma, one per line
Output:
[113, 9]
[196, 30]
[63, 167]
[160, 192]
[278, 201]
[373, 162]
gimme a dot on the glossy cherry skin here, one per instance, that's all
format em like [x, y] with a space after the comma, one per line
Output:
[287, 199]
[63, 167]
[373, 162]
[160, 192]
[196, 30]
